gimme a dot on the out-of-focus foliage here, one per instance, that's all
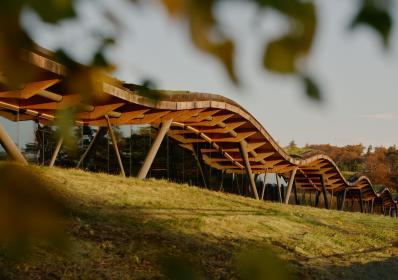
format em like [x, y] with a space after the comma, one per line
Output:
[261, 264]
[285, 54]
[30, 214]
[179, 268]
[377, 15]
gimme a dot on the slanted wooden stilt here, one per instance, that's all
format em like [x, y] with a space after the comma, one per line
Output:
[245, 157]
[290, 185]
[342, 202]
[318, 194]
[303, 199]
[237, 183]
[296, 200]
[154, 149]
[361, 201]
[56, 151]
[372, 206]
[264, 184]
[101, 132]
[324, 192]
[278, 187]
[115, 147]
[221, 180]
[10, 147]
[197, 153]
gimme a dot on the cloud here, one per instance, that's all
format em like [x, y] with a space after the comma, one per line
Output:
[382, 116]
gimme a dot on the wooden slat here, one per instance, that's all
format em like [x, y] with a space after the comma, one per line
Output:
[99, 111]
[29, 90]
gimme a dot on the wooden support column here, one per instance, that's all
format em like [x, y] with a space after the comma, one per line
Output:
[324, 191]
[372, 206]
[342, 202]
[278, 187]
[56, 151]
[221, 181]
[245, 157]
[318, 194]
[361, 201]
[264, 184]
[154, 149]
[101, 132]
[10, 147]
[290, 185]
[303, 199]
[296, 200]
[197, 153]
[115, 147]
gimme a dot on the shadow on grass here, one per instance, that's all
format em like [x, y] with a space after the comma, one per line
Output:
[127, 242]
[114, 243]
[385, 269]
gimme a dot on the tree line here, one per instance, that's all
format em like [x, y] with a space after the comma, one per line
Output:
[379, 164]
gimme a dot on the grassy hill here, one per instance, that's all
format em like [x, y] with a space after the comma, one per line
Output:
[123, 228]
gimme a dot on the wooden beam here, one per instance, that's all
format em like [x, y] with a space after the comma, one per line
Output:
[56, 151]
[296, 200]
[115, 147]
[123, 119]
[264, 184]
[361, 201]
[202, 116]
[243, 151]
[149, 118]
[100, 111]
[154, 149]
[10, 147]
[29, 90]
[101, 132]
[324, 191]
[200, 164]
[342, 203]
[278, 187]
[290, 185]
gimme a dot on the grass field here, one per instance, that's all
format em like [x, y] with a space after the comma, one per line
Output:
[123, 228]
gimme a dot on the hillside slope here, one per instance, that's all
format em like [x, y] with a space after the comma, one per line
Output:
[123, 228]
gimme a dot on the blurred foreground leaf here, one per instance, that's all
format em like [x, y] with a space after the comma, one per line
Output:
[30, 214]
[178, 268]
[377, 15]
[261, 265]
[311, 89]
[52, 11]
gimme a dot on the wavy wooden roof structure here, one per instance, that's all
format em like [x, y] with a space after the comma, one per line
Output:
[195, 118]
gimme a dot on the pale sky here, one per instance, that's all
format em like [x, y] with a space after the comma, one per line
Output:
[358, 77]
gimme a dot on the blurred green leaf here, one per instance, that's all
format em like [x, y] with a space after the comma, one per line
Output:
[178, 268]
[52, 11]
[261, 265]
[30, 213]
[312, 89]
[377, 15]
[280, 56]
[207, 37]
